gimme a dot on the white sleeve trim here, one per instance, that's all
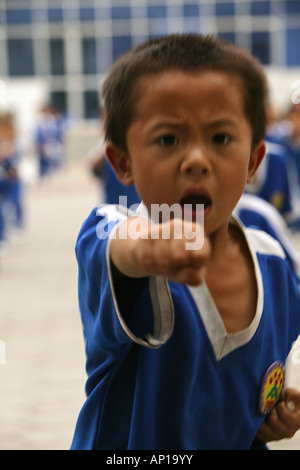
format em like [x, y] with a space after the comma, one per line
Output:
[162, 304]
[263, 243]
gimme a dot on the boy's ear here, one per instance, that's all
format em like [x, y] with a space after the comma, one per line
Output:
[120, 161]
[255, 160]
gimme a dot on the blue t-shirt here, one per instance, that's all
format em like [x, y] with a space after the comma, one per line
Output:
[166, 374]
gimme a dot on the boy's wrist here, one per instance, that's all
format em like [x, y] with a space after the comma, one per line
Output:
[124, 244]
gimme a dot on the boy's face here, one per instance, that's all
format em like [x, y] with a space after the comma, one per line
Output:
[189, 143]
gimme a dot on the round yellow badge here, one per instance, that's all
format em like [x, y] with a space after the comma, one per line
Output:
[271, 387]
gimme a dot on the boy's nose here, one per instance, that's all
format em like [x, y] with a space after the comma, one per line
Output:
[195, 163]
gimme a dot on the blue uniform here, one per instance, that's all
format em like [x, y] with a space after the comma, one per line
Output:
[163, 372]
[49, 142]
[254, 211]
[276, 182]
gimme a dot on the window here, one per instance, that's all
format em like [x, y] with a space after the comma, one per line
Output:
[91, 104]
[55, 15]
[89, 56]
[157, 11]
[120, 13]
[121, 44]
[20, 57]
[87, 14]
[225, 9]
[292, 45]
[191, 9]
[260, 8]
[18, 16]
[59, 101]
[261, 46]
[292, 7]
[57, 56]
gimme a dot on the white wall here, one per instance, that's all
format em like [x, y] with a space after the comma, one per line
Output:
[23, 97]
[284, 86]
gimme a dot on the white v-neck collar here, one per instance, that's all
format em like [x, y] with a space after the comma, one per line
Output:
[221, 340]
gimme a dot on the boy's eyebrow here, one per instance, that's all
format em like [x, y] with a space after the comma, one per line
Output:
[156, 126]
[162, 124]
[222, 123]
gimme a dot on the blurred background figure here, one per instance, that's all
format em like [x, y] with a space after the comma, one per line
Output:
[49, 140]
[111, 189]
[286, 132]
[277, 180]
[11, 184]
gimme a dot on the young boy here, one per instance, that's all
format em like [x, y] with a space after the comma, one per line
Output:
[185, 347]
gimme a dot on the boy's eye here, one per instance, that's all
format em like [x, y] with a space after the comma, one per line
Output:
[168, 140]
[221, 138]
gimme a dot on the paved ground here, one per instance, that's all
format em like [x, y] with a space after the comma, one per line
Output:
[42, 382]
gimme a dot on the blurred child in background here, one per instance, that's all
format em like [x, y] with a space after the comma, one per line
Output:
[11, 185]
[49, 140]
[102, 170]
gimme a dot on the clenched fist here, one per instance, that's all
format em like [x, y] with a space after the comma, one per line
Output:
[176, 249]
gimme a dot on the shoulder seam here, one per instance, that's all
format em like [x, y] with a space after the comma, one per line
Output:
[263, 243]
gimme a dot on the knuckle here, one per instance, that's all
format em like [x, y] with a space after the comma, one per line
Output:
[179, 257]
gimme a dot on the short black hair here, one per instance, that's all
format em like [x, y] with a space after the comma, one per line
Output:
[190, 53]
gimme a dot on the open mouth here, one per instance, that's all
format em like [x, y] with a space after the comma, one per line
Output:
[194, 202]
